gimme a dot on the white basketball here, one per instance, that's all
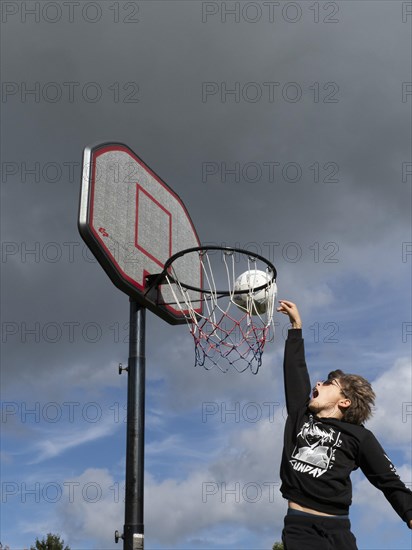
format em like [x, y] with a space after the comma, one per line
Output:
[260, 300]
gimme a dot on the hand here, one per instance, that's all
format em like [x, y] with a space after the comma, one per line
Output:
[290, 309]
[410, 524]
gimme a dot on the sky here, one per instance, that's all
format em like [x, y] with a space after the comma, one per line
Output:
[285, 128]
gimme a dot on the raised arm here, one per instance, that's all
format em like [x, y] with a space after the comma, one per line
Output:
[296, 377]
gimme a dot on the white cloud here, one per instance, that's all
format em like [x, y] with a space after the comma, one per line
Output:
[94, 511]
[392, 420]
[319, 295]
[240, 487]
[56, 443]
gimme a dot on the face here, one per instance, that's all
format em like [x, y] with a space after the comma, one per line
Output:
[327, 397]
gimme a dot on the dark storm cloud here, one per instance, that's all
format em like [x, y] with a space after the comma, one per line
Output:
[249, 164]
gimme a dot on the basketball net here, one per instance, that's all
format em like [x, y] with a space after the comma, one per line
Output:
[225, 333]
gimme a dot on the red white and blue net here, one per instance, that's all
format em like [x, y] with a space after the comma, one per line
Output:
[233, 325]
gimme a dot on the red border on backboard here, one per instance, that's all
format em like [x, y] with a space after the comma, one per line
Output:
[95, 153]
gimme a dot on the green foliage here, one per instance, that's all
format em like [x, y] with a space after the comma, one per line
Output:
[52, 542]
[277, 546]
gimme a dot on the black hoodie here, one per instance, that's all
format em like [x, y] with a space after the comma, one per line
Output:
[319, 454]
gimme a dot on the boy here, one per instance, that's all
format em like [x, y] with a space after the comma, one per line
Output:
[324, 442]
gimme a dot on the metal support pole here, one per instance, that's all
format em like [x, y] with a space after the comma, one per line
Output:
[133, 533]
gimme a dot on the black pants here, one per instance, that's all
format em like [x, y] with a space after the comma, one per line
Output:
[317, 533]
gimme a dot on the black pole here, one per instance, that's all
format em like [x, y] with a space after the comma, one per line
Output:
[133, 533]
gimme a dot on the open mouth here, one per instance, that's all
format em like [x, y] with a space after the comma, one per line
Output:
[315, 393]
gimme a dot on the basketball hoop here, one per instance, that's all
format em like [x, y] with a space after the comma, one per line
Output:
[230, 327]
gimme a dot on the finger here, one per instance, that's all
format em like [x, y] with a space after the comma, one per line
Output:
[287, 304]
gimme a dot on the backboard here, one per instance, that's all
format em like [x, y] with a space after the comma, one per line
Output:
[133, 222]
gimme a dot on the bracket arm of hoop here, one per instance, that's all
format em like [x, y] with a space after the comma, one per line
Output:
[153, 282]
